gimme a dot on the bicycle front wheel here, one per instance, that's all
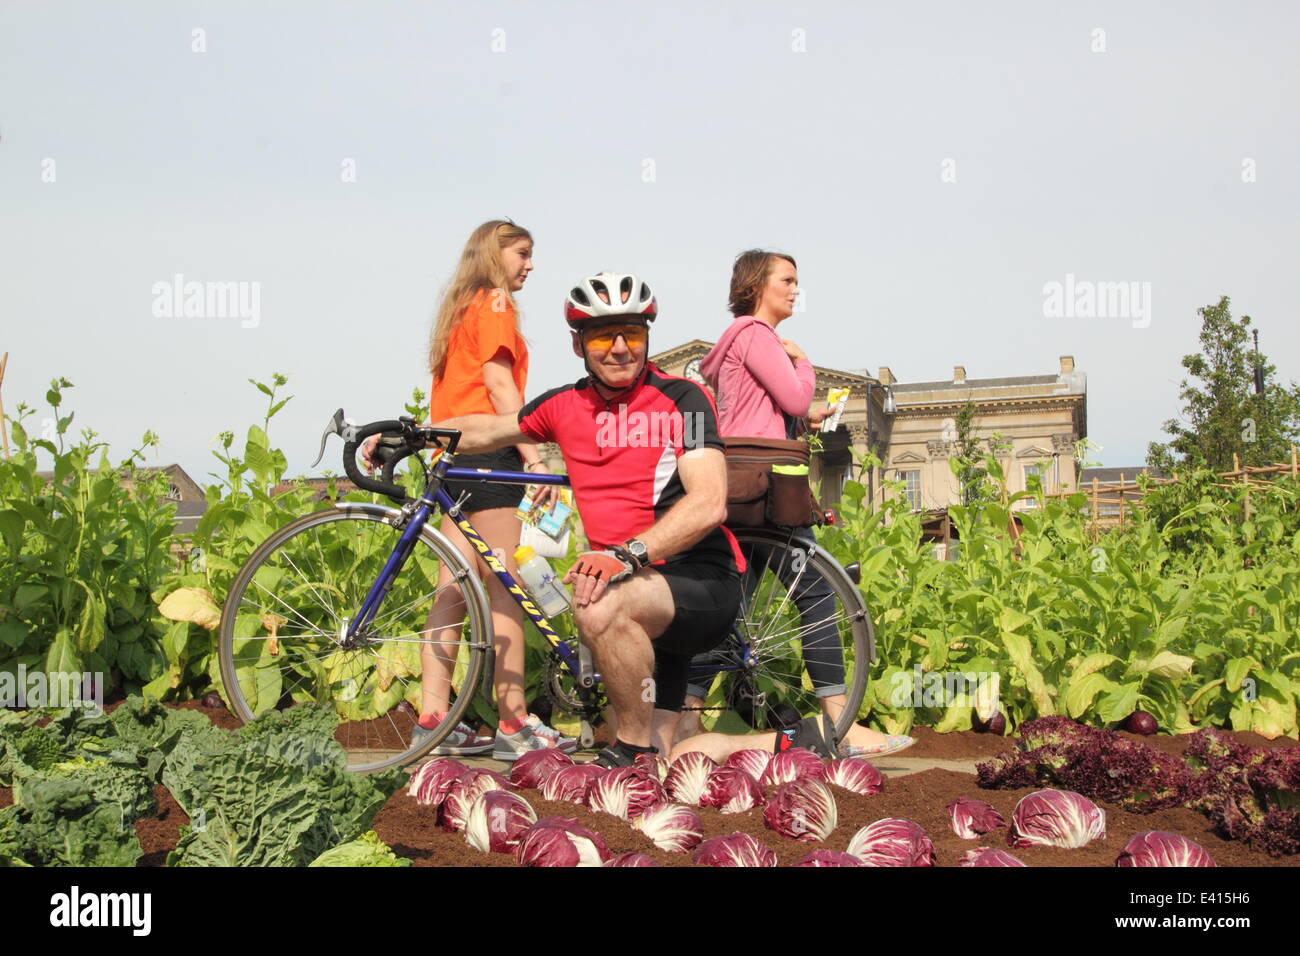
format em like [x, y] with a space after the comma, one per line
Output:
[803, 633]
[284, 632]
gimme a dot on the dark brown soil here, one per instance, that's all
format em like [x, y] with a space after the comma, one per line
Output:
[6, 797]
[159, 835]
[922, 798]
[965, 746]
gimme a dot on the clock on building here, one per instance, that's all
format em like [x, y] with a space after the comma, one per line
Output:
[692, 371]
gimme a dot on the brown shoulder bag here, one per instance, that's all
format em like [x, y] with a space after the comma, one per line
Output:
[756, 496]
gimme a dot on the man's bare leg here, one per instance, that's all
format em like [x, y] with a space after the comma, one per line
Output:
[664, 723]
[857, 735]
[617, 628]
[722, 746]
[689, 723]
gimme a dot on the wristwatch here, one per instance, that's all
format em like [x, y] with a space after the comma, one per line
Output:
[637, 549]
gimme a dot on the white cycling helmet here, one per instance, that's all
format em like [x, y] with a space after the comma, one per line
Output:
[626, 294]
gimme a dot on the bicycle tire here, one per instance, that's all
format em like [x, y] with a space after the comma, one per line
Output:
[274, 652]
[773, 629]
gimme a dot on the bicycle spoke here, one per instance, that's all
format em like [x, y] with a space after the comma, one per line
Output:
[794, 619]
[307, 581]
[314, 578]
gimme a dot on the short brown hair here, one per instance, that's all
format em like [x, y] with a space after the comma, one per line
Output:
[748, 277]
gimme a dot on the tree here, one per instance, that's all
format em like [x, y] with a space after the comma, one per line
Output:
[974, 462]
[1223, 415]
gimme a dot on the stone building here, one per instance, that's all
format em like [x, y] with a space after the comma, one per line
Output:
[911, 426]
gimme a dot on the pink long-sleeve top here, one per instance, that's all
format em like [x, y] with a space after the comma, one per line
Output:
[755, 381]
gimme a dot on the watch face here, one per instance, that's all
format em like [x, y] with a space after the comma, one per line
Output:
[693, 371]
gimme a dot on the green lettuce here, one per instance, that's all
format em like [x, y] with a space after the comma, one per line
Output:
[277, 793]
[61, 823]
[365, 850]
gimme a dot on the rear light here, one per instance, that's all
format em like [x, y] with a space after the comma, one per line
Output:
[829, 516]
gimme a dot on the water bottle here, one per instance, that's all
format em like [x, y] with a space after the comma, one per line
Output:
[541, 582]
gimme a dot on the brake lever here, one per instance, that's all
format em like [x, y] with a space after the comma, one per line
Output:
[338, 425]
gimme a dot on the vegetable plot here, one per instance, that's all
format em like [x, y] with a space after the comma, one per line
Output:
[1248, 794]
[275, 793]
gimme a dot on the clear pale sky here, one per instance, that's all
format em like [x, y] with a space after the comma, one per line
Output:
[657, 138]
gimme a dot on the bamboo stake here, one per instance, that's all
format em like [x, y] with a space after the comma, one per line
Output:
[1246, 481]
[4, 428]
[1236, 463]
[1095, 485]
[1293, 462]
[1121, 500]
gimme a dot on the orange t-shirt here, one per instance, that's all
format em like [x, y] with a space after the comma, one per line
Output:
[481, 333]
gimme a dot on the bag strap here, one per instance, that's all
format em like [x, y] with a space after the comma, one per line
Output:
[794, 427]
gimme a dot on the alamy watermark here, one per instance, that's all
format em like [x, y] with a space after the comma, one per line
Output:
[1084, 299]
[39, 688]
[625, 429]
[941, 688]
[179, 299]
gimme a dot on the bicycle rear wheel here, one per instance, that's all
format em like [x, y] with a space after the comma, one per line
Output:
[283, 631]
[802, 626]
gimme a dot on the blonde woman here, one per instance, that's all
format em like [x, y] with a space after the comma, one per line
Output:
[479, 363]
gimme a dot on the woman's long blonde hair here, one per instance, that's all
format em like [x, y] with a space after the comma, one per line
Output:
[480, 268]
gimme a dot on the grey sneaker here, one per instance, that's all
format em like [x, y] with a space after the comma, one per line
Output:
[461, 742]
[510, 747]
[566, 744]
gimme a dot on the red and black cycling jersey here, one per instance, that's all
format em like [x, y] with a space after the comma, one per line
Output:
[622, 453]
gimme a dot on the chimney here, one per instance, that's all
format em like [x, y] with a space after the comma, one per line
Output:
[958, 374]
[886, 376]
[1067, 364]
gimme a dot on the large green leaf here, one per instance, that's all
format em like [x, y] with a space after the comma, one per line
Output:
[62, 657]
[1012, 620]
[13, 633]
[1018, 649]
[1168, 664]
[11, 526]
[1237, 670]
[1093, 662]
[1117, 704]
[1083, 690]
[91, 628]
[28, 594]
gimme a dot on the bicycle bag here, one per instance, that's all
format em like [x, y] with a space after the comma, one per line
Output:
[767, 483]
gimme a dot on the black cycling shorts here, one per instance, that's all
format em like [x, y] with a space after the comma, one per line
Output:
[706, 596]
[483, 495]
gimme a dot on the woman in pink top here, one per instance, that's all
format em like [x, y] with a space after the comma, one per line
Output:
[764, 385]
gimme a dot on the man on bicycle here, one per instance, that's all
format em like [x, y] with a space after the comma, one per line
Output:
[661, 581]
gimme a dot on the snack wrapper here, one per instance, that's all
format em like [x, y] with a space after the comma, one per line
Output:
[837, 399]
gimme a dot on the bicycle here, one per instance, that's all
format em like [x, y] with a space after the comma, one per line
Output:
[331, 608]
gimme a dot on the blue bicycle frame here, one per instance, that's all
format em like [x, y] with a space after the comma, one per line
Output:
[444, 471]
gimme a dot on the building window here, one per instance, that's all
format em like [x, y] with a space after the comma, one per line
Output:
[1043, 482]
[912, 488]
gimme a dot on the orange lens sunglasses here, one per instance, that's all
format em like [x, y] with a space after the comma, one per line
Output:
[603, 340]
